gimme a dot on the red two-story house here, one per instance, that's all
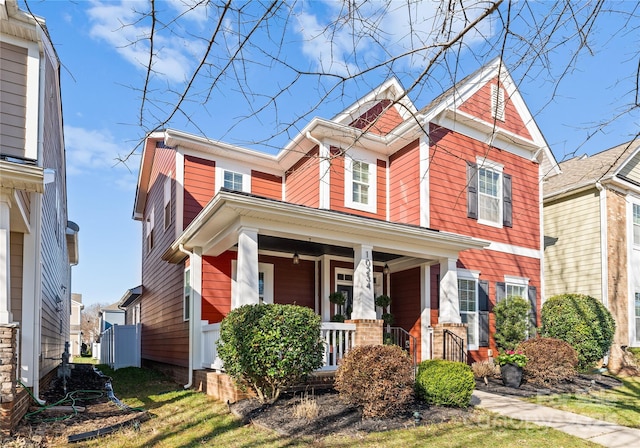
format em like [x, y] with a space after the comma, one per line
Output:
[439, 208]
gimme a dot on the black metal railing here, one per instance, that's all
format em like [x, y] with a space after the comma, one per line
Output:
[453, 347]
[401, 337]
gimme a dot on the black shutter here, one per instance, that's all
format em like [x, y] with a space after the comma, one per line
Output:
[507, 208]
[472, 190]
[483, 313]
[500, 291]
[533, 313]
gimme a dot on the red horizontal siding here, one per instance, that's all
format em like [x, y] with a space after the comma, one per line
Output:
[479, 105]
[199, 185]
[405, 303]
[449, 152]
[404, 185]
[303, 181]
[380, 119]
[293, 283]
[267, 185]
[216, 286]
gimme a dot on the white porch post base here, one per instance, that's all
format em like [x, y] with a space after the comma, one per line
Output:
[449, 304]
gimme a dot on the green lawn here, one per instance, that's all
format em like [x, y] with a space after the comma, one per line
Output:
[189, 419]
[620, 405]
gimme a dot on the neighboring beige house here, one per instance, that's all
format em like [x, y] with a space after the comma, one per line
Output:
[592, 236]
[38, 244]
[75, 335]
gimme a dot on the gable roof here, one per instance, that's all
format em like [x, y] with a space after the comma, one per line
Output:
[584, 171]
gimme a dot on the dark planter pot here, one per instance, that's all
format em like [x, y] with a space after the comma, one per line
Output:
[511, 375]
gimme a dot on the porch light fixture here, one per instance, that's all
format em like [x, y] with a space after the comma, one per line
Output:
[385, 269]
[296, 258]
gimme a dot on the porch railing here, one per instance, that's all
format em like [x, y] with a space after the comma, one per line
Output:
[453, 347]
[338, 339]
[401, 337]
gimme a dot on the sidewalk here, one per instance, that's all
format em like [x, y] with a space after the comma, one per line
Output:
[596, 431]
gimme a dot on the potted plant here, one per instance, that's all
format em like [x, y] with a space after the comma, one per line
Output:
[383, 301]
[338, 298]
[511, 364]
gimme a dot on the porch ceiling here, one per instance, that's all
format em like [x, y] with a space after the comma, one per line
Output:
[289, 227]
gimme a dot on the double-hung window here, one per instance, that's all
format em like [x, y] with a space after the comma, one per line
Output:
[489, 193]
[360, 184]
[468, 299]
[636, 224]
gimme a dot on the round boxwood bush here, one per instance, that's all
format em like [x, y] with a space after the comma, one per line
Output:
[376, 378]
[445, 383]
[269, 347]
[583, 322]
[549, 361]
[511, 322]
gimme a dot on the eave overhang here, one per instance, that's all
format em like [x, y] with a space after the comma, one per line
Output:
[72, 242]
[216, 228]
[17, 176]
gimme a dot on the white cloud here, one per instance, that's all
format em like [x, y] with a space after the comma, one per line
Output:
[94, 152]
[381, 29]
[124, 26]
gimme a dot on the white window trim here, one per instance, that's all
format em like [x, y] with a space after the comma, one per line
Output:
[634, 243]
[498, 167]
[167, 201]
[186, 306]
[372, 204]
[233, 168]
[149, 231]
[465, 274]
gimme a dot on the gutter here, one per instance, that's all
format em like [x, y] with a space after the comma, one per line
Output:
[191, 325]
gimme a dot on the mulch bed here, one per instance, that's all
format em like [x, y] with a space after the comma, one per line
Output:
[580, 384]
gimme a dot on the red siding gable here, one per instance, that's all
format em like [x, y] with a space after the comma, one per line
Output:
[449, 152]
[380, 119]
[199, 186]
[479, 105]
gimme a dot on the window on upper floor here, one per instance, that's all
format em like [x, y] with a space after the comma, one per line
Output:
[497, 102]
[360, 185]
[149, 232]
[636, 224]
[489, 194]
[232, 181]
[167, 202]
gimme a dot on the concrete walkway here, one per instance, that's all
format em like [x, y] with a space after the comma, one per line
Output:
[597, 431]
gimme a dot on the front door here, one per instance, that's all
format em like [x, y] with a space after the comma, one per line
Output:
[347, 292]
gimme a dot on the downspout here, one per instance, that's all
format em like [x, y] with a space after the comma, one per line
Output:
[191, 324]
[603, 245]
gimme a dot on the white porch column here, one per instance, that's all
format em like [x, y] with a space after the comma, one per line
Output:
[363, 294]
[325, 287]
[449, 304]
[5, 259]
[247, 270]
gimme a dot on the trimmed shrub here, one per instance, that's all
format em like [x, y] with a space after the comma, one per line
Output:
[549, 361]
[270, 347]
[511, 322]
[583, 322]
[445, 383]
[376, 378]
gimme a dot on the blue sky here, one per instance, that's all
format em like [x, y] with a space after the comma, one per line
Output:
[102, 75]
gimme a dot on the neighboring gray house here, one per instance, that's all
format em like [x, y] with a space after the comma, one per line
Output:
[38, 244]
[111, 315]
[75, 335]
[592, 236]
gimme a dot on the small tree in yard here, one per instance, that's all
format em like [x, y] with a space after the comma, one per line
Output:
[582, 321]
[269, 347]
[511, 322]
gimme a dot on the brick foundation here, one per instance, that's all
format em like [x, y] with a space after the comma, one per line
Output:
[438, 337]
[368, 331]
[9, 397]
